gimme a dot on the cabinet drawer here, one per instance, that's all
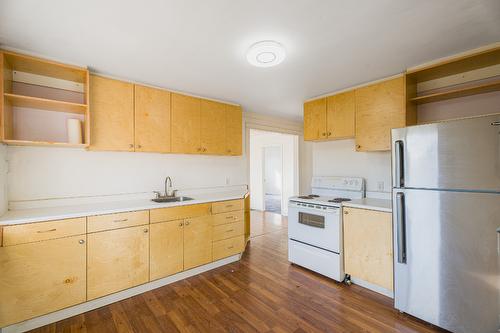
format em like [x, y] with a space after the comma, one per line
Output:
[226, 218]
[116, 221]
[227, 206]
[179, 212]
[228, 247]
[226, 231]
[34, 232]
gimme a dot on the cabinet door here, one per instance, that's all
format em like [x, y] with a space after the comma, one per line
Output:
[152, 120]
[379, 108]
[41, 277]
[234, 132]
[341, 115]
[213, 127]
[186, 124]
[166, 249]
[112, 114]
[315, 120]
[197, 241]
[117, 260]
[368, 253]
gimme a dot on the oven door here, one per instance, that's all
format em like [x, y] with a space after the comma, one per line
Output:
[318, 226]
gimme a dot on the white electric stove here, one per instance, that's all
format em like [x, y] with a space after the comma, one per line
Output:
[315, 224]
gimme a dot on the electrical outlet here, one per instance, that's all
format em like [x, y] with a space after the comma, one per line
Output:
[380, 186]
[228, 180]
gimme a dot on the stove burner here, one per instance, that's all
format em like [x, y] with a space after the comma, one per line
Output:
[339, 200]
[309, 196]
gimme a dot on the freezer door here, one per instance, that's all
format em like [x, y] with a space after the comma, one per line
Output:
[446, 262]
[459, 155]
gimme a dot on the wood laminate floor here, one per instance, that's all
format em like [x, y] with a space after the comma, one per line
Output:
[261, 293]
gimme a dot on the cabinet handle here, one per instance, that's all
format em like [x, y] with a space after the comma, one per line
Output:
[346, 212]
[181, 224]
[230, 247]
[131, 145]
[81, 241]
[199, 149]
[204, 149]
[44, 231]
[187, 222]
[122, 220]
[146, 231]
[329, 133]
[139, 146]
[229, 217]
[324, 134]
[358, 146]
[230, 230]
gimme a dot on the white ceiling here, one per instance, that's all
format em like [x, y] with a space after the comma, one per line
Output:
[199, 46]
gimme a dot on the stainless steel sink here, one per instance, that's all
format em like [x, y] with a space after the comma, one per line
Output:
[171, 199]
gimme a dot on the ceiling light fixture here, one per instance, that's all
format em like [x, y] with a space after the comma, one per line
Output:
[267, 53]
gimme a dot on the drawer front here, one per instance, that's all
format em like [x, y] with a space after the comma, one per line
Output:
[34, 232]
[179, 212]
[116, 221]
[227, 206]
[226, 218]
[228, 247]
[225, 231]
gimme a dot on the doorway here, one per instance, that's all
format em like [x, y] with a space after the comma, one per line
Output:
[273, 170]
[273, 178]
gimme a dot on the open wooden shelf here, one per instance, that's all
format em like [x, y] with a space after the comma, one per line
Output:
[458, 92]
[45, 104]
[44, 144]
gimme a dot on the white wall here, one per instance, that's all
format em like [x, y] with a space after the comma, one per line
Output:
[3, 179]
[339, 158]
[43, 173]
[272, 170]
[289, 146]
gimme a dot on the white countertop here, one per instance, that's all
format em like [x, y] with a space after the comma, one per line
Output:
[65, 212]
[383, 205]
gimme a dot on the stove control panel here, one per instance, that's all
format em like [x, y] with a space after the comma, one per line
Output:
[339, 183]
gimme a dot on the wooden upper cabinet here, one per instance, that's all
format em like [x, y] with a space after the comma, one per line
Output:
[234, 132]
[213, 127]
[112, 114]
[186, 124]
[152, 119]
[117, 260]
[41, 277]
[368, 253]
[379, 108]
[340, 115]
[315, 120]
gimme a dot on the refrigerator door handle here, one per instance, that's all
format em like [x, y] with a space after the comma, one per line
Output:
[401, 227]
[399, 156]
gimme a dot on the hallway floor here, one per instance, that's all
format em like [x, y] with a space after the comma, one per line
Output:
[272, 203]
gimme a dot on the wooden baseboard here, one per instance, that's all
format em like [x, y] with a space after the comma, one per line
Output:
[99, 302]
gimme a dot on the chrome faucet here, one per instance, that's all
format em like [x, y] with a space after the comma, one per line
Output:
[168, 189]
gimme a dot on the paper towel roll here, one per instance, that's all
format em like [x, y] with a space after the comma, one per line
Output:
[74, 127]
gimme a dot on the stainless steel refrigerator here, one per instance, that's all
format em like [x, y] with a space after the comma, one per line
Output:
[446, 206]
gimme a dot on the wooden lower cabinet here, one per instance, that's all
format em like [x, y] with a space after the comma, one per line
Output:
[166, 249]
[197, 241]
[228, 247]
[117, 260]
[41, 277]
[368, 250]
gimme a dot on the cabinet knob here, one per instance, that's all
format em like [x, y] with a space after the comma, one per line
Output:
[199, 149]
[229, 150]
[329, 133]
[324, 133]
[187, 222]
[181, 224]
[204, 149]
[345, 213]
[139, 146]
[358, 146]
[81, 241]
[146, 230]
